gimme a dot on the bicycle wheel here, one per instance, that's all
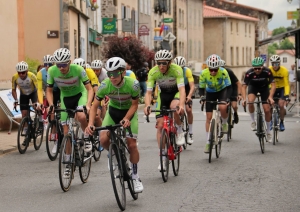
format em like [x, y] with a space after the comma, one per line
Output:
[218, 146]
[50, 143]
[85, 168]
[229, 121]
[116, 173]
[164, 155]
[261, 136]
[23, 144]
[176, 150]
[211, 138]
[185, 129]
[275, 127]
[134, 195]
[96, 148]
[38, 135]
[66, 164]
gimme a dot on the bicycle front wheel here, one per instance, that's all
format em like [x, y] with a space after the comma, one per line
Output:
[176, 150]
[38, 136]
[96, 148]
[211, 138]
[116, 173]
[23, 136]
[52, 140]
[185, 129]
[164, 155]
[85, 168]
[66, 164]
[218, 146]
[275, 127]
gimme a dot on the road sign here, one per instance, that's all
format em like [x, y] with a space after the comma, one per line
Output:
[170, 37]
[264, 56]
[158, 38]
[168, 20]
[291, 15]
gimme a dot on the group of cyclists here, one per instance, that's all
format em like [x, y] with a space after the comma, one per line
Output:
[111, 96]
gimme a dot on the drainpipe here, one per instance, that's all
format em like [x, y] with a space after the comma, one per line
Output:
[61, 23]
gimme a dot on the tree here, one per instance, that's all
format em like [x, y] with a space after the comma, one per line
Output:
[272, 48]
[32, 64]
[278, 31]
[130, 49]
[289, 28]
[286, 44]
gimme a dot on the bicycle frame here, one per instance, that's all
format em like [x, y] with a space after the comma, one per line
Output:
[170, 128]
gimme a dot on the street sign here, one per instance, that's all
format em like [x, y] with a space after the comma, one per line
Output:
[292, 15]
[264, 56]
[170, 37]
[143, 30]
[166, 27]
[158, 38]
[168, 20]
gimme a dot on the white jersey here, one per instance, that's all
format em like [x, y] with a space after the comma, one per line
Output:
[103, 75]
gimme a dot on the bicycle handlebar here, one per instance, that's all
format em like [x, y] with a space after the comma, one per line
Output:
[113, 127]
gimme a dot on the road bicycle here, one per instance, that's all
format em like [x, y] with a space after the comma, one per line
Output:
[230, 121]
[72, 153]
[169, 150]
[185, 126]
[119, 164]
[30, 129]
[275, 119]
[260, 123]
[54, 134]
[215, 129]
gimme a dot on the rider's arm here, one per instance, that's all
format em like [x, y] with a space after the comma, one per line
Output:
[14, 87]
[90, 91]
[133, 108]
[49, 89]
[190, 78]
[272, 90]
[93, 112]
[244, 87]
[239, 87]
[286, 84]
[40, 91]
[148, 96]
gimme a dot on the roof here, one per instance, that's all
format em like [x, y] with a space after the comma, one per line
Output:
[212, 12]
[288, 51]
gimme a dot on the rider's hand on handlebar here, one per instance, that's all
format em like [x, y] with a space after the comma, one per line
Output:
[89, 129]
[180, 110]
[125, 122]
[147, 110]
[15, 104]
[270, 100]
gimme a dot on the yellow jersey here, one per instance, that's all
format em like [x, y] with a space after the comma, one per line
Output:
[92, 76]
[27, 86]
[281, 78]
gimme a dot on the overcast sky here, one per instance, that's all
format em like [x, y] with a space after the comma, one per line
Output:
[279, 9]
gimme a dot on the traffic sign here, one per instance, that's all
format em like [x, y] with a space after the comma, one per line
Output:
[170, 37]
[292, 15]
[168, 20]
[264, 56]
[158, 38]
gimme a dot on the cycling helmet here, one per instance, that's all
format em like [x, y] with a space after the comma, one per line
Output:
[163, 55]
[48, 59]
[80, 62]
[222, 63]
[22, 66]
[115, 63]
[213, 61]
[62, 55]
[96, 64]
[258, 61]
[180, 61]
[275, 58]
[87, 66]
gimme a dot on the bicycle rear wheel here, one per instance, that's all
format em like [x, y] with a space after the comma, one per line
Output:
[164, 156]
[116, 173]
[50, 142]
[185, 129]
[66, 164]
[218, 146]
[23, 144]
[211, 138]
[176, 150]
[96, 148]
[85, 168]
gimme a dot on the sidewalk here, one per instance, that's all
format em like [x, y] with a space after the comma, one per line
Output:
[8, 142]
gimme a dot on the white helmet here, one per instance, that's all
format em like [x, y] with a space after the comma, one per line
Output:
[180, 61]
[213, 61]
[21, 66]
[87, 66]
[163, 55]
[62, 55]
[48, 59]
[80, 62]
[222, 63]
[96, 64]
[275, 58]
[115, 63]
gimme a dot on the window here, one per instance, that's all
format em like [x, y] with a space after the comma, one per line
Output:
[141, 6]
[231, 56]
[245, 29]
[123, 11]
[182, 18]
[190, 49]
[247, 56]
[237, 28]
[243, 55]
[75, 43]
[251, 54]
[199, 50]
[179, 18]
[237, 55]
[231, 27]
[249, 30]
[284, 59]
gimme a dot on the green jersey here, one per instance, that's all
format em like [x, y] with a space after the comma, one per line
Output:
[214, 83]
[69, 84]
[120, 98]
[168, 82]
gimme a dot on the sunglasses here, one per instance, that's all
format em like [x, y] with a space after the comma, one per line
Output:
[275, 64]
[213, 70]
[62, 65]
[114, 74]
[256, 68]
[48, 64]
[162, 63]
[22, 73]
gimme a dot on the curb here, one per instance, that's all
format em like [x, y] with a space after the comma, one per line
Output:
[2, 152]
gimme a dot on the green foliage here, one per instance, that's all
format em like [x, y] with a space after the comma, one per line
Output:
[272, 49]
[32, 64]
[289, 28]
[278, 31]
[286, 44]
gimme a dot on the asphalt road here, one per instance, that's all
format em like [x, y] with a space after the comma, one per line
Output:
[242, 179]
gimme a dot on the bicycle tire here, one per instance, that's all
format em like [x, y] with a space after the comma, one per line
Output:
[176, 148]
[96, 147]
[262, 144]
[164, 140]
[275, 127]
[114, 157]
[185, 129]
[261, 137]
[22, 149]
[65, 184]
[134, 195]
[85, 168]
[219, 145]
[229, 122]
[211, 139]
[38, 136]
[50, 144]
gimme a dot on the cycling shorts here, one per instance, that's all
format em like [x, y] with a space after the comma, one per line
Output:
[264, 92]
[215, 96]
[164, 100]
[279, 93]
[24, 100]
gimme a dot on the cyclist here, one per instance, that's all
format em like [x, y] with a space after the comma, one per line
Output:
[189, 91]
[234, 91]
[124, 95]
[169, 77]
[27, 83]
[128, 72]
[281, 77]
[215, 81]
[75, 91]
[258, 78]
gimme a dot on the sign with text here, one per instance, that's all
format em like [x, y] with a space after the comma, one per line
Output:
[168, 20]
[291, 15]
[126, 25]
[109, 25]
[158, 38]
[52, 33]
[143, 30]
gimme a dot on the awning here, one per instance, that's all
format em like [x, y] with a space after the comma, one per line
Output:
[279, 37]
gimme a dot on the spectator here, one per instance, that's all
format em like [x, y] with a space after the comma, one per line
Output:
[292, 80]
[142, 75]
